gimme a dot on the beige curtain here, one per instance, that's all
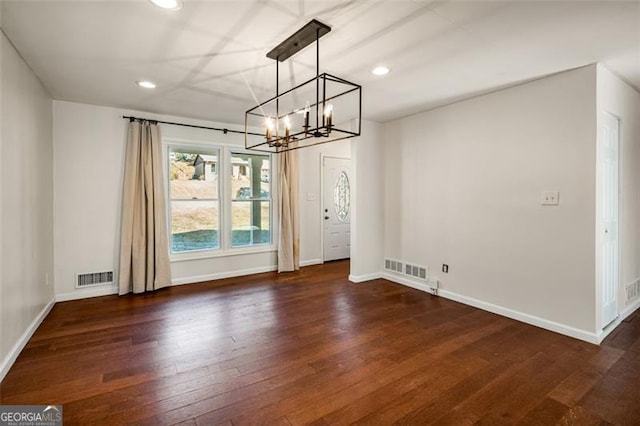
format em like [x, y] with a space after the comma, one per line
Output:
[144, 247]
[289, 244]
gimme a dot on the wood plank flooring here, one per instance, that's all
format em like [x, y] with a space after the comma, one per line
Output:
[312, 348]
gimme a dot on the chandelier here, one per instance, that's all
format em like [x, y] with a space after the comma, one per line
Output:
[323, 109]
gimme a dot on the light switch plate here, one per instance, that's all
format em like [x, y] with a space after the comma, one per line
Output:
[550, 198]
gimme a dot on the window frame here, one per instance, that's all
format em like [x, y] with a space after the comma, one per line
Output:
[192, 149]
[225, 247]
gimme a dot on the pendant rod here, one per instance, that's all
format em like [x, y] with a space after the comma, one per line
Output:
[277, 97]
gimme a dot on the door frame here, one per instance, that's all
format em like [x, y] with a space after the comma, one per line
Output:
[322, 207]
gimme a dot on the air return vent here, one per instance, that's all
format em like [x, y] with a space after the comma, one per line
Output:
[416, 271]
[94, 278]
[393, 265]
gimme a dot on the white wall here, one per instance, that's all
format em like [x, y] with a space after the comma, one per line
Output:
[26, 290]
[621, 100]
[89, 144]
[463, 186]
[88, 170]
[367, 200]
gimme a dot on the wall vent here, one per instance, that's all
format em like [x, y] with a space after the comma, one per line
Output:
[94, 278]
[633, 291]
[415, 271]
[393, 265]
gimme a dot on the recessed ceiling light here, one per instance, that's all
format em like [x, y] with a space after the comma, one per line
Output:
[168, 4]
[380, 70]
[146, 84]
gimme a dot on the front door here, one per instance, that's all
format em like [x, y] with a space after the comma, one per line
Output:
[336, 207]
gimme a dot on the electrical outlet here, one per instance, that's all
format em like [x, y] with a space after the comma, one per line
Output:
[445, 268]
[550, 198]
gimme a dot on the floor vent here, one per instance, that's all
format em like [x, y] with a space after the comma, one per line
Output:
[393, 265]
[633, 290]
[94, 278]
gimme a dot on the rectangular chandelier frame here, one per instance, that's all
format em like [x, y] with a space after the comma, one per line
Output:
[318, 132]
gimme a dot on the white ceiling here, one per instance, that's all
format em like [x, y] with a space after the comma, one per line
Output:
[207, 56]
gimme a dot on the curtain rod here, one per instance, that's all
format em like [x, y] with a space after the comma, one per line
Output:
[225, 131]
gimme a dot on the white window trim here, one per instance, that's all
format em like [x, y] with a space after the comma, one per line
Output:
[224, 201]
[216, 253]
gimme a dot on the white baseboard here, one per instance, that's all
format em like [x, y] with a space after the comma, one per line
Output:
[418, 285]
[365, 277]
[501, 310]
[221, 275]
[311, 262]
[85, 293]
[523, 317]
[11, 357]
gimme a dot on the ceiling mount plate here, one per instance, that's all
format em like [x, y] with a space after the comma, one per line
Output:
[299, 40]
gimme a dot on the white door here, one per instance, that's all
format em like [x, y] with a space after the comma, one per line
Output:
[608, 227]
[336, 207]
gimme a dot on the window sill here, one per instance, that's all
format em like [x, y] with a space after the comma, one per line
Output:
[209, 254]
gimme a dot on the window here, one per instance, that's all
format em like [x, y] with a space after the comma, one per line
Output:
[194, 204]
[219, 199]
[251, 199]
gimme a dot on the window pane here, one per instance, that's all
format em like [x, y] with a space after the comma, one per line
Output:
[194, 225]
[250, 176]
[251, 222]
[193, 176]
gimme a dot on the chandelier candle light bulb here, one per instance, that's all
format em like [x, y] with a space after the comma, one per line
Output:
[287, 127]
[328, 113]
[268, 122]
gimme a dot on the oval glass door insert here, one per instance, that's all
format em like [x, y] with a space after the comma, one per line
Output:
[341, 196]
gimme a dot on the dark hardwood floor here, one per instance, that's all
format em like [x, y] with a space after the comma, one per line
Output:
[313, 348]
